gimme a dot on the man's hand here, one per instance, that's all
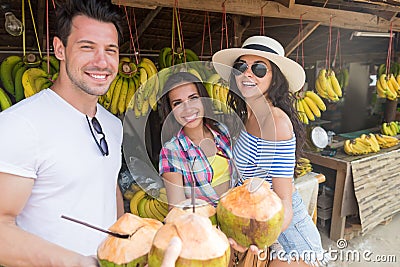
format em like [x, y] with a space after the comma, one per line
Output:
[172, 253]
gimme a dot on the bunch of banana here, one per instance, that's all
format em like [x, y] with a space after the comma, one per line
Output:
[168, 58]
[343, 77]
[390, 128]
[303, 166]
[309, 105]
[386, 141]
[148, 90]
[364, 144]
[20, 85]
[145, 206]
[387, 86]
[327, 85]
[218, 90]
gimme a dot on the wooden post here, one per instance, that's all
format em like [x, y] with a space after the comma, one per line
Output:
[240, 27]
[390, 110]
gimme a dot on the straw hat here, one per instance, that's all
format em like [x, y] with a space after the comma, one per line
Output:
[265, 47]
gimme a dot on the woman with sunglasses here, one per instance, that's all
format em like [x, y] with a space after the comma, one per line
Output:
[262, 81]
[199, 149]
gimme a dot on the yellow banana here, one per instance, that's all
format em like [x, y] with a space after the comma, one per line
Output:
[374, 143]
[347, 147]
[335, 84]
[161, 207]
[380, 90]
[122, 96]
[322, 78]
[115, 96]
[130, 95]
[300, 110]
[303, 160]
[214, 78]
[394, 83]
[154, 211]
[320, 90]
[307, 110]
[145, 108]
[313, 106]
[216, 101]
[317, 100]
[331, 93]
[108, 96]
[133, 205]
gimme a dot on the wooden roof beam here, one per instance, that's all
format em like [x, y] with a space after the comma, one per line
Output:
[310, 28]
[340, 18]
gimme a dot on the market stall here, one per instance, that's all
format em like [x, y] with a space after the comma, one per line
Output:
[364, 185]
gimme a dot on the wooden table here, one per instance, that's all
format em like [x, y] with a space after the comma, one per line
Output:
[346, 200]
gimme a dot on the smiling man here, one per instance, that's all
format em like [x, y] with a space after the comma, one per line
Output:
[61, 151]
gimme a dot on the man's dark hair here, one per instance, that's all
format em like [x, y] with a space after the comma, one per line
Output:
[101, 10]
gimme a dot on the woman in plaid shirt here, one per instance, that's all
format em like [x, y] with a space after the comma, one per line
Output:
[199, 150]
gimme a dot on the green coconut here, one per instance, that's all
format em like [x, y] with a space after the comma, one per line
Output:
[251, 214]
[132, 252]
[202, 208]
[202, 243]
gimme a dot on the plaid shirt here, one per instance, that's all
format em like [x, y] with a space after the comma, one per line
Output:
[181, 155]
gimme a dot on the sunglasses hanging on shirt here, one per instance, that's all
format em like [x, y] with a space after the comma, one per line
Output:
[102, 145]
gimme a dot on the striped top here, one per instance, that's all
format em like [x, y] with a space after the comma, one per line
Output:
[257, 157]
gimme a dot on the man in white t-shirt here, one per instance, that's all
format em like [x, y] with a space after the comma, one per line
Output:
[61, 151]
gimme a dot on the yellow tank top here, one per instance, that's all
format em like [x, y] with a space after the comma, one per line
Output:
[221, 170]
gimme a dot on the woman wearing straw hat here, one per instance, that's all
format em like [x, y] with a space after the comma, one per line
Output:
[262, 81]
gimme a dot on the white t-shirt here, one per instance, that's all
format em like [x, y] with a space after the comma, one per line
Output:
[46, 139]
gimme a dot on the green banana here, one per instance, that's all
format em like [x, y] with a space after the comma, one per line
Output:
[5, 101]
[190, 55]
[16, 68]
[54, 63]
[6, 69]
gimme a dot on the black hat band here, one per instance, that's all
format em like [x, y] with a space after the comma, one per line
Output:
[260, 48]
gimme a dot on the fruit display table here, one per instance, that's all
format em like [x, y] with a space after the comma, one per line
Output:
[364, 185]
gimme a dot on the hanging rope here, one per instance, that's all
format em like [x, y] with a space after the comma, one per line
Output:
[337, 51]
[54, 4]
[389, 50]
[137, 34]
[180, 31]
[329, 46]
[262, 22]
[47, 36]
[34, 27]
[206, 25]
[224, 28]
[23, 32]
[131, 35]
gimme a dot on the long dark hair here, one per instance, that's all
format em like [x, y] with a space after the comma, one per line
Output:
[279, 95]
[101, 10]
[175, 80]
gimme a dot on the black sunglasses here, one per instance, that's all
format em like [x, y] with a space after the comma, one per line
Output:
[103, 146]
[259, 69]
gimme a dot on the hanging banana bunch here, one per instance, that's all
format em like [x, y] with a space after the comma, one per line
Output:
[23, 77]
[327, 85]
[388, 85]
[135, 87]
[309, 106]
